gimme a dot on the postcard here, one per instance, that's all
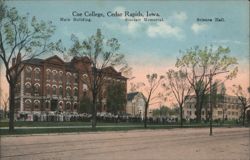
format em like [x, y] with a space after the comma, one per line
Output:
[111, 79]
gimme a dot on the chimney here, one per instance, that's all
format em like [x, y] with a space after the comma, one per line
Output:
[18, 59]
[13, 61]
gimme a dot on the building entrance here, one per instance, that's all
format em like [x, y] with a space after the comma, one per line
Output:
[54, 104]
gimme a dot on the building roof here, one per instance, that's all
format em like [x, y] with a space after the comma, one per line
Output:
[35, 61]
[131, 96]
[70, 65]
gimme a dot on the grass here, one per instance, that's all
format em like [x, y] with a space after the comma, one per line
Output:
[86, 127]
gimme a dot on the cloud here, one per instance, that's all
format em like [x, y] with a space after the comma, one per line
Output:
[153, 30]
[129, 28]
[226, 41]
[163, 29]
[197, 28]
[179, 17]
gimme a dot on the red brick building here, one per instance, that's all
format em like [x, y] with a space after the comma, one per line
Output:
[54, 85]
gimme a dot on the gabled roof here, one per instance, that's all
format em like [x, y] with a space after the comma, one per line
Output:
[131, 96]
[55, 57]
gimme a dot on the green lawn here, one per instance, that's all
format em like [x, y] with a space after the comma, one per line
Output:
[66, 127]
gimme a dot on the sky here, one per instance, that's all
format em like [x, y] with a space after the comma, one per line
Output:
[152, 46]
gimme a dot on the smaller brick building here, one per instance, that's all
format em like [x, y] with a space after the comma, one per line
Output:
[54, 85]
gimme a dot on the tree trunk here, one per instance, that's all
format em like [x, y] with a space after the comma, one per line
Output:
[93, 123]
[181, 115]
[11, 108]
[146, 115]
[243, 122]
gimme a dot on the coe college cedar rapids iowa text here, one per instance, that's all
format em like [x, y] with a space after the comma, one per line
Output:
[115, 14]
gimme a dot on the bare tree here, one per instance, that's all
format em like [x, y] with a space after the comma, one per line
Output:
[177, 84]
[152, 94]
[102, 54]
[21, 38]
[242, 97]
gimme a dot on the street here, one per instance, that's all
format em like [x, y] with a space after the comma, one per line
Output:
[168, 144]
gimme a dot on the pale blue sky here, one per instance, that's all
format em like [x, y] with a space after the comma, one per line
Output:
[174, 34]
[151, 46]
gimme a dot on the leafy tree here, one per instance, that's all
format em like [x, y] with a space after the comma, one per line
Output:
[85, 105]
[242, 97]
[162, 111]
[21, 38]
[116, 98]
[102, 54]
[177, 84]
[201, 65]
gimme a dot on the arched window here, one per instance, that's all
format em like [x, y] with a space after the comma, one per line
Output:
[28, 72]
[75, 106]
[48, 74]
[68, 106]
[61, 106]
[60, 91]
[37, 73]
[54, 75]
[75, 92]
[48, 89]
[37, 89]
[68, 92]
[68, 77]
[27, 105]
[28, 88]
[36, 104]
[75, 78]
[60, 76]
[54, 90]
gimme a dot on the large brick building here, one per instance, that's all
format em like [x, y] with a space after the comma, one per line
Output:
[54, 85]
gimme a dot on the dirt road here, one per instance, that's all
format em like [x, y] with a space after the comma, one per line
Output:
[173, 144]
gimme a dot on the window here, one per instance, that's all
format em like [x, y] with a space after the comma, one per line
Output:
[48, 74]
[75, 106]
[60, 91]
[68, 106]
[60, 76]
[76, 92]
[36, 89]
[28, 88]
[27, 104]
[219, 112]
[48, 89]
[75, 78]
[37, 73]
[36, 104]
[68, 90]
[68, 79]
[28, 72]
[47, 105]
[54, 75]
[54, 90]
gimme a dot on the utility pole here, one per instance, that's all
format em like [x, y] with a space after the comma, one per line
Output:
[210, 104]
[210, 76]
